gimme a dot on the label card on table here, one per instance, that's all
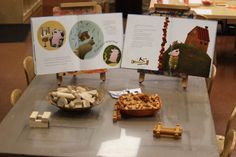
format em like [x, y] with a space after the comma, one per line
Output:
[77, 42]
[169, 46]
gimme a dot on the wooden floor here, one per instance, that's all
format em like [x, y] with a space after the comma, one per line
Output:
[222, 98]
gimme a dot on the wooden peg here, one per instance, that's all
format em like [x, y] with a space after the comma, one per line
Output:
[116, 115]
[184, 81]
[103, 76]
[160, 130]
[141, 77]
[59, 78]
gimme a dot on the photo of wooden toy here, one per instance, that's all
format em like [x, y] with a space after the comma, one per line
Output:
[140, 61]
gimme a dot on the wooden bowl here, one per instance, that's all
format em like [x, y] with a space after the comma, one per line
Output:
[140, 113]
[98, 100]
[142, 110]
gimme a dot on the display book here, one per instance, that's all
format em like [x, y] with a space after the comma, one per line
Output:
[169, 46]
[77, 42]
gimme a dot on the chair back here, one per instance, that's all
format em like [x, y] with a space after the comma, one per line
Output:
[229, 143]
[210, 80]
[15, 95]
[229, 124]
[29, 69]
[77, 8]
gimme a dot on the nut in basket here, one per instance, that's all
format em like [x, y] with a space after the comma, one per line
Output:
[139, 105]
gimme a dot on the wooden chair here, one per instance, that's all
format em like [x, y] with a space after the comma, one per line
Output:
[209, 81]
[105, 4]
[221, 138]
[229, 143]
[28, 65]
[77, 8]
[201, 17]
[15, 95]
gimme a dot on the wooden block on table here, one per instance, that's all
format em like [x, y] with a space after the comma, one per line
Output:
[38, 124]
[34, 115]
[37, 120]
[46, 116]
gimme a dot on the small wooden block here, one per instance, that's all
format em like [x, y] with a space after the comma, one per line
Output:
[116, 115]
[159, 130]
[34, 115]
[39, 121]
[46, 116]
[38, 124]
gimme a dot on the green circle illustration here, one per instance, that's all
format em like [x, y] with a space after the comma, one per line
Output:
[112, 55]
[86, 39]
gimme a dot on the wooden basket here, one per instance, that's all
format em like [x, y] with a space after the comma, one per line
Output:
[140, 113]
[98, 100]
[144, 112]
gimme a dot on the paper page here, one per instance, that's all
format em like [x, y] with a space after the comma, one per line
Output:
[51, 50]
[107, 32]
[77, 42]
[169, 45]
[202, 11]
[142, 41]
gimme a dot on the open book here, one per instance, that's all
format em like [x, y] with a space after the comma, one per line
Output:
[77, 42]
[170, 46]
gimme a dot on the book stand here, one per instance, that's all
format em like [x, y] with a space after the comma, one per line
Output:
[59, 76]
[168, 11]
[78, 8]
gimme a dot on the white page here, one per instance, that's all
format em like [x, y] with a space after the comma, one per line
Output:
[80, 42]
[144, 39]
[111, 28]
[48, 59]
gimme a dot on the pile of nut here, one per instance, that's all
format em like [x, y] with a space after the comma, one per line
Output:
[138, 101]
[73, 97]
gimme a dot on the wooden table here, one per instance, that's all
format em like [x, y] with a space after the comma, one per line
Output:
[220, 9]
[94, 133]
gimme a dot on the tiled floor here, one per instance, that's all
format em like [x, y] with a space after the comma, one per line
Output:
[223, 96]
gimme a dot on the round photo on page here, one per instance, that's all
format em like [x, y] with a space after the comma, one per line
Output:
[86, 39]
[112, 55]
[51, 35]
